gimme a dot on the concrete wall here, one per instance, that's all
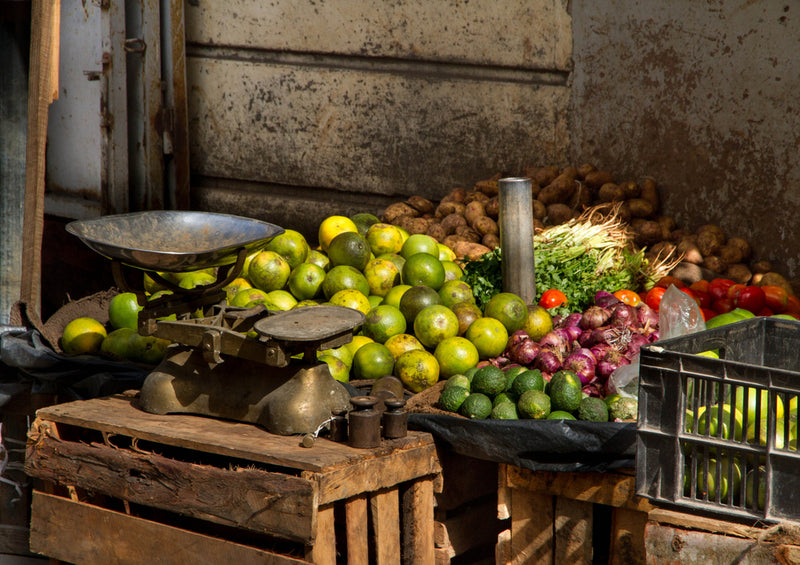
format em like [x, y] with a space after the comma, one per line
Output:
[301, 109]
[702, 96]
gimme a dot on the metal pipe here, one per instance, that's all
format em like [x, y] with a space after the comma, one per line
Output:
[516, 237]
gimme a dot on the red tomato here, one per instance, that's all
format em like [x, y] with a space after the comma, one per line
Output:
[689, 292]
[750, 298]
[722, 305]
[734, 290]
[765, 311]
[707, 314]
[793, 304]
[552, 298]
[628, 297]
[775, 298]
[700, 286]
[653, 297]
[667, 280]
[704, 299]
[718, 288]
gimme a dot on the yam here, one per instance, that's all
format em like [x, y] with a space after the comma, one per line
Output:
[639, 207]
[596, 179]
[545, 175]
[468, 250]
[487, 187]
[485, 225]
[558, 214]
[491, 240]
[436, 231]
[492, 207]
[775, 279]
[739, 273]
[422, 205]
[709, 241]
[539, 210]
[688, 249]
[714, 264]
[558, 191]
[473, 211]
[585, 169]
[394, 211]
[468, 234]
[610, 192]
[649, 192]
[741, 245]
[630, 188]
[761, 267]
[452, 221]
[450, 207]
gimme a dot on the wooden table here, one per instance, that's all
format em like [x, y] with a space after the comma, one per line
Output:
[121, 485]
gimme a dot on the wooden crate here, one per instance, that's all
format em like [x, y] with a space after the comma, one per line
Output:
[120, 485]
[570, 518]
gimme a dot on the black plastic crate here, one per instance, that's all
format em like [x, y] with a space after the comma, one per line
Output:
[743, 465]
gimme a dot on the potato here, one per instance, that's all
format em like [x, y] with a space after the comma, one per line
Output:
[545, 175]
[667, 224]
[631, 189]
[648, 232]
[596, 179]
[558, 214]
[585, 169]
[436, 231]
[492, 207]
[558, 191]
[581, 198]
[450, 207]
[739, 273]
[774, 279]
[468, 234]
[535, 190]
[485, 225]
[662, 249]
[538, 225]
[677, 235]
[731, 254]
[452, 221]
[451, 240]
[422, 205]
[417, 225]
[649, 192]
[473, 211]
[487, 187]
[394, 211]
[491, 240]
[640, 208]
[714, 264]
[624, 212]
[570, 171]
[741, 245]
[610, 192]
[761, 267]
[539, 210]
[471, 251]
[474, 195]
[709, 241]
[688, 249]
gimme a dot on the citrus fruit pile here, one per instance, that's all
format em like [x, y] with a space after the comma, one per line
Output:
[513, 393]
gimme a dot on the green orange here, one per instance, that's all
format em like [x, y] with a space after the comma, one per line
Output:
[269, 271]
[489, 336]
[344, 277]
[383, 322]
[419, 243]
[395, 294]
[305, 281]
[351, 298]
[400, 343]
[422, 268]
[291, 245]
[372, 361]
[384, 238]
[415, 299]
[455, 291]
[123, 311]
[509, 308]
[455, 355]
[83, 335]
[434, 324]
[349, 248]
[382, 275]
[417, 369]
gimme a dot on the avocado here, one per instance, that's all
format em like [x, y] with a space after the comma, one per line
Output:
[452, 398]
[593, 409]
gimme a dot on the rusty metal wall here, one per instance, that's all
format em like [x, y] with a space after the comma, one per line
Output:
[702, 96]
[302, 109]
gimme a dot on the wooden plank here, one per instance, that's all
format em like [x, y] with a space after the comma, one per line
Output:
[323, 552]
[503, 493]
[470, 527]
[385, 512]
[573, 525]
[627, 537]
[532, 536]
[690, 521]
[81, 533]
[611, 489]
[357, 530]
[277, 503]
[13, 539]
[418, 523]
[118, 415]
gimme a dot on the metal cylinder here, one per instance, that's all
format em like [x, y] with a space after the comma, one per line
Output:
[395, 419]
[365, 423]
[338, 425]
[516, 237]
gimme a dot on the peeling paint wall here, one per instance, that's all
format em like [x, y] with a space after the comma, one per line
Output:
[702, 96]
[302, 109]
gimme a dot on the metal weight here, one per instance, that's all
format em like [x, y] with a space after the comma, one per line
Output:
[395, 419]
[365, 423]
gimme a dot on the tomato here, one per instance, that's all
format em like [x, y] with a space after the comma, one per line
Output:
[552, 298]
[750, 298]
[722, 306]
[628, 297]
[734, 290]
[718, 288]
[775, 298]
[690, 293]
[793, 304]
[765, 311]
[703, 298]
[707, 314]
[667, 280]
[653, 297]
[700, 286]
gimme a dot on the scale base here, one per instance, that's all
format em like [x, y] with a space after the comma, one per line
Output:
[295, 399]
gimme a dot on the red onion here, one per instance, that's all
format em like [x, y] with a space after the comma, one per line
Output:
[587, 338]
[593, 389]
[516, 338]
[606, 366]
[606, 334]
[571, 320]
[594, 317]
[556, 339]
[600, 350]
[572, 333]
[548, 360]
[652, 336]
[524, 352]
[624, 315]
[636, 342]
[582, 363]
[605, 299]
[648, 318]
[499, 361]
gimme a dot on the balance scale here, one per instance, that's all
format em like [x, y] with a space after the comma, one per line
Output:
[234, 363]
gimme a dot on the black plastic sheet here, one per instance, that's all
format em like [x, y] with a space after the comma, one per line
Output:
[29, 366]
[538, 445]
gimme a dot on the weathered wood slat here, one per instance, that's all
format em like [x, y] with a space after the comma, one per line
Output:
[324, 550]
[418, 523]
[97, 536]
[357, 530]
[532, 536]
[385, 512]
[280, 504]
[573, 531]
[627, 536]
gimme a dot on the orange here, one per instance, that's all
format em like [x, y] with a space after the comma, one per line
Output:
[291, 245]
[417, 369]
[422, 268]
[445, 253]
[384, 238]
[318, 258]
[489, 336]
[375, 300]
[341, 353]
[363, 221]
[395, 294]
[400, 343]
[123, 311]
[305, 281]
[382, 275]
[351, 298]
[151, 286]
[349, 248]
[344, 277]
[246, 296]
[279, 300]
[415, 299]
[452, 271]
[383, 322]
[333, 226]
[509, 308]
[356, 343]
[455, 355]
[453, 292]
[83, 335]
[118, 343]
[307, 302]
[237, 284]
[538, 323]
[372, 361]
[434, 324]
[339, 370]
[247, 260]
[269, 271]
[395, 258]
[195, 279]
[419, 243]
[466, 312]
[147, 349]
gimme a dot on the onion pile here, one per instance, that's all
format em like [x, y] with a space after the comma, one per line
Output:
[591, 344]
